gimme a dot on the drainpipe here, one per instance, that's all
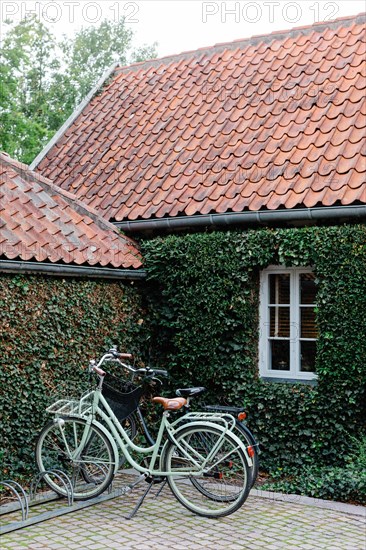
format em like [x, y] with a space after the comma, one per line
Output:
[265, 217]
[13, 266]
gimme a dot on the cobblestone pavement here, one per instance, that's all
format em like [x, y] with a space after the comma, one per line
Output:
[163, 523]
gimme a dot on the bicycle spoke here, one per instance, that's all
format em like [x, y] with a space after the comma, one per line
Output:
[90, 469]
[221, 485]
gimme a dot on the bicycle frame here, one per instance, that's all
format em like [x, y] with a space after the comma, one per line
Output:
[119, 438]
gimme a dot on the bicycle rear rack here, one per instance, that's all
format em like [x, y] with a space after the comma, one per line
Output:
[226, 420]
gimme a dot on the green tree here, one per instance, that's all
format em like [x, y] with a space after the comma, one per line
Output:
[42, 79]
[28, 62]
[90, 52]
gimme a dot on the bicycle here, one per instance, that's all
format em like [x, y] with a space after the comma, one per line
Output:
[88, 451]
[136, 418]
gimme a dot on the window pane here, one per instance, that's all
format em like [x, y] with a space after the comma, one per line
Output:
[279, 321]
[307, 288]
[279, 287]
[308, 352]
[280, 354]
[308, 326]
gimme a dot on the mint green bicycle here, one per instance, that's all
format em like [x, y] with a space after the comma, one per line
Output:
[206, 466]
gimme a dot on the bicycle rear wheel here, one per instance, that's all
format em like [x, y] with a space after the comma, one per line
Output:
[216, 463]
[248, 440]
[90, 472]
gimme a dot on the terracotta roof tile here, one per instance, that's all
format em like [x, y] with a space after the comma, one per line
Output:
[42, 222]
[276, 121]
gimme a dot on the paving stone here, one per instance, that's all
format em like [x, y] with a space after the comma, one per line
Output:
[163, 522]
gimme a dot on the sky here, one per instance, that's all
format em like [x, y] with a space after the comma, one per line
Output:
[182, 25]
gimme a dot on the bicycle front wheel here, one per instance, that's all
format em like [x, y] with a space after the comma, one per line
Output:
[90, 469]
[208, 471]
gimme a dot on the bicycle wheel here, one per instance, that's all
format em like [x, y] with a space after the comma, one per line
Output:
[91, 471]
[216, 463]
[247, 439]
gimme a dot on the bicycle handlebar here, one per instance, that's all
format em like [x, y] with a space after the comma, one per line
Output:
[114, 351]
[114, 355]
[99, 371]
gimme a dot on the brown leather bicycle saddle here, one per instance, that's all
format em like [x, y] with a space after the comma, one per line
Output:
[172, 404]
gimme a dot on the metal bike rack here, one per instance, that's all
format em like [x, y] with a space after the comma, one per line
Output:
[61, 476]
[22, 498]
[25, 501]
[34, 501]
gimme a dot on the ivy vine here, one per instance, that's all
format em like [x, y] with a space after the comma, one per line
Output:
[198, 316]
[204, 298]
[51, 328]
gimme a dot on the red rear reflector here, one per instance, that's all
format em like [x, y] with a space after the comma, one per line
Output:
[242, 416]
[251, 451]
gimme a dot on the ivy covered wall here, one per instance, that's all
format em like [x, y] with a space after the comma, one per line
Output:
[198, 316]
[204, 304]
[50, 328]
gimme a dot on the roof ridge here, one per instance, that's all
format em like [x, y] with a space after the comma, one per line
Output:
[241, 42]
[81, 208]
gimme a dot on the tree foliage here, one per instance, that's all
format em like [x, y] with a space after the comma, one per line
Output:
[43, 79]
[90, 52]
[28, 64]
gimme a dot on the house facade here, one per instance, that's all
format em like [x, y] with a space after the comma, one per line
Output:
[69, 287]
[265, 131]
[262, 138]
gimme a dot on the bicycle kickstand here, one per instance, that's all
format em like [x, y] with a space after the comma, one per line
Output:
[140, 501]
[161, 488]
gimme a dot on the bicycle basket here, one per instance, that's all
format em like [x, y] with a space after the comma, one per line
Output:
[122, 397]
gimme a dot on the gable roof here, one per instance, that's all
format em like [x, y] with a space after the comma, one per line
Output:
[269, 123]
[39, 221]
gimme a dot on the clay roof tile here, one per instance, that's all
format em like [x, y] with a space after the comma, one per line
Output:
[272, 122]
[48, 223]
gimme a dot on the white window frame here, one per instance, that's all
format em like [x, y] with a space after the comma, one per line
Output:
[264, 350]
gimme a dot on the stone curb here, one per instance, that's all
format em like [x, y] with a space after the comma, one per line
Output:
[351, 509]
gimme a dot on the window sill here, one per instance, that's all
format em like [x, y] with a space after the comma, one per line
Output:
[307, 381]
